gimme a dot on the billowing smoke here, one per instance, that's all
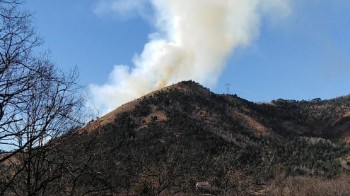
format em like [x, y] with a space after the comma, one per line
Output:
[193, 41]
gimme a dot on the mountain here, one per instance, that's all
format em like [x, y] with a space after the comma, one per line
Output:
[165, 142]
[226, 114]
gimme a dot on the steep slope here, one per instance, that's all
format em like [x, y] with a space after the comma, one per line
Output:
[328, 119]
[165, 142]
[227, 114]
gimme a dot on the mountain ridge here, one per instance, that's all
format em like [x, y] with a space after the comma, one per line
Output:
[339, 122]
[131, 105]
[167, 141]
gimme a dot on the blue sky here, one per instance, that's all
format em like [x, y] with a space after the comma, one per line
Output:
[303, 56]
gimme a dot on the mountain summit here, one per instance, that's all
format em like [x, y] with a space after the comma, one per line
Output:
[327, 119]
[166, 142]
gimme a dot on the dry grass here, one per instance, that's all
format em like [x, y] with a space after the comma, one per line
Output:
[252, 123]
[110, 117]
[309, 186]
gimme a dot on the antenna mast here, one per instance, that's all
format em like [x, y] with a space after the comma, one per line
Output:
[228, 85]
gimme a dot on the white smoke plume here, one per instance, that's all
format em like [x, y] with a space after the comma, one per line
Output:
[193, 41]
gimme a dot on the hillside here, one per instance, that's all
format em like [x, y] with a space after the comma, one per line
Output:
[165, 142]
[328, 119]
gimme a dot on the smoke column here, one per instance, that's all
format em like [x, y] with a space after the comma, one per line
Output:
[193, 41]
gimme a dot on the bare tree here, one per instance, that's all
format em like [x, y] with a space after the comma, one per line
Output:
[17, 73]
[37, 104]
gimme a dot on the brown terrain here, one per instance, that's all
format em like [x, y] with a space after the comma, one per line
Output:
[166, 142]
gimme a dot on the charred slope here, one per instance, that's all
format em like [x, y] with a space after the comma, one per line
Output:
[166, 141]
